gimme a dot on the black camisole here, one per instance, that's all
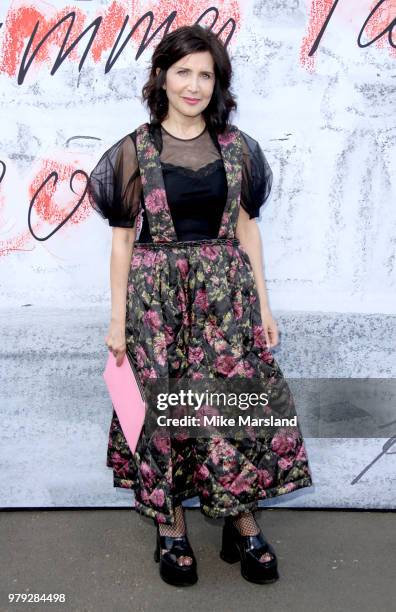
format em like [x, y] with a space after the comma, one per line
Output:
[196, 198]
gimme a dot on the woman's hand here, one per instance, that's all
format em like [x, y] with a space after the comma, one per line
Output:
[270, 327]
[115, 340]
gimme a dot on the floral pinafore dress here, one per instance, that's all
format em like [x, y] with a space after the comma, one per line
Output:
[193, 311]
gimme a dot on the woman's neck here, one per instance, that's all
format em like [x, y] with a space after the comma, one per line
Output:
[184, 127]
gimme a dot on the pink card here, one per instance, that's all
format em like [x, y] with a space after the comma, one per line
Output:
[126, 392]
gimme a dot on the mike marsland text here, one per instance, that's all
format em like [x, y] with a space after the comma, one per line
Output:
[222, 421]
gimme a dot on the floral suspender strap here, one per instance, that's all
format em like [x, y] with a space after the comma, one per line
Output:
[158, 213]
[231, 151]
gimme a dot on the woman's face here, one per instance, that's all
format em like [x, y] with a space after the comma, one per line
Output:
[189, 83]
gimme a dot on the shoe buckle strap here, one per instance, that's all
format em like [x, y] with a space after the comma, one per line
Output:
[257, 545]
[176, 545]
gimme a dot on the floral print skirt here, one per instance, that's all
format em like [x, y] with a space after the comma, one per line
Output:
[193, 311]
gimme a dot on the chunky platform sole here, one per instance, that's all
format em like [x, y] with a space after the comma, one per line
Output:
[231, 552]
[173, 575]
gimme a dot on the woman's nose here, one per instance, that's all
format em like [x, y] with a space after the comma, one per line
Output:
[193, 84]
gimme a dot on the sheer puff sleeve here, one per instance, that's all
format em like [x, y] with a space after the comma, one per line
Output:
[114, 185]
[256, 176]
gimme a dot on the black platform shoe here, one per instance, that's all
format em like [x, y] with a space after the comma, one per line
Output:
[170, 570]
[248, 549]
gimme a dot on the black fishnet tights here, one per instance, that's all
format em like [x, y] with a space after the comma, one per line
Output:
[176, 530]
[246, 525]
[244, 522]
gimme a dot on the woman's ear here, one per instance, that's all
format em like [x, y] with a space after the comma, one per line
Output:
[157, 71]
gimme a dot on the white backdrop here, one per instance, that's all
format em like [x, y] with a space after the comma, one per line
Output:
[326, 124]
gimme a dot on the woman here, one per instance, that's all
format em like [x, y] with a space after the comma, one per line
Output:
[189, 300]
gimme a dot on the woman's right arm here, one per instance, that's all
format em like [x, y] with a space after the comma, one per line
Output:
[114, 190]
[121, 254]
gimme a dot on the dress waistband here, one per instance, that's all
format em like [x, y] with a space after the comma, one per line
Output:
[187, 243]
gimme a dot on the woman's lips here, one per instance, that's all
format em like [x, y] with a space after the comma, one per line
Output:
[191, 100]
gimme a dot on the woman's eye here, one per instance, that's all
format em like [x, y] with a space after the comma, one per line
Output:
[205, 74]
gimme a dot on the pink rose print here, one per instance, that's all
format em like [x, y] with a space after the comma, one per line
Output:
[224, 364]
[136, 260]
[182, 265]
[168, 476]
[283, 443]
[232, 273]
[231, 464]
[161, 443]
[264, 478]
[144, 495]
[244, 369]
[197, 376]
[237, 307]
[227, 138]
[225, 480]
[228, 450]
[120, 464]
[259, 336]
[149, 258]
[285, 463]
[226, 215]
[202, 472]
[267, 357]
[141, 356]
[161, 518]
[148, 373]
[221, 452]
[156, 200]
[152, 319]
[169, 334]
[195, 354]
[215, 456]
[210, 252]
[187, 318]
[219, 332]
[201, 299]
[157, 497]
[148, 473]
[150, 150]
[240, 484]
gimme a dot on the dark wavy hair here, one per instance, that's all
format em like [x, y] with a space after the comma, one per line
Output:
[174, 46]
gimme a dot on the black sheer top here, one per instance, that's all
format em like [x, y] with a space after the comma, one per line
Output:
[194, 179]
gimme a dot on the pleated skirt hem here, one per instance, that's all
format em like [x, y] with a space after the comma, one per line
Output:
[213, 511]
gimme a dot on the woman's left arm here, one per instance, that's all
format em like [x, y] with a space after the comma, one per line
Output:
[248, 234]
